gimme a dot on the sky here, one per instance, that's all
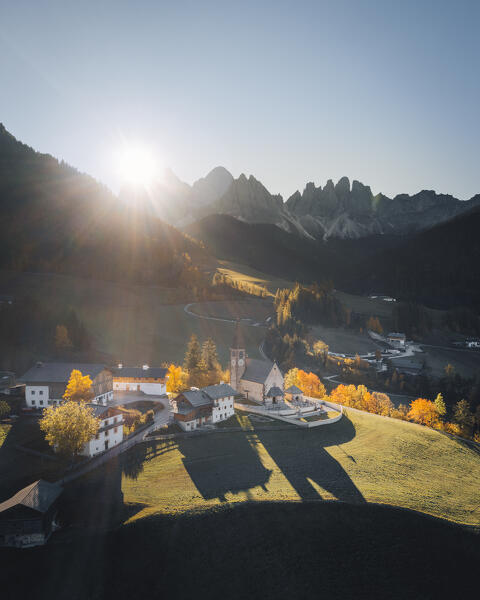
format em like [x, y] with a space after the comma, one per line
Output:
[386, 92]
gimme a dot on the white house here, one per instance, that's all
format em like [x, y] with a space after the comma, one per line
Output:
[149, 380]
[110, 432]
[258, 380]
[397, 340]
[45, 383]
[194, 408]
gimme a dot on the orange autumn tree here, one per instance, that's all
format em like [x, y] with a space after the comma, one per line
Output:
[177, 379]
[310, 384]
[79, 387]
[424, 412]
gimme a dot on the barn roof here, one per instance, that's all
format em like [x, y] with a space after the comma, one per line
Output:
[140, 372]
[38, 496]
[59, 372]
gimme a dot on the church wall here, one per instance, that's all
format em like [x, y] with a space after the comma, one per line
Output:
[255, 390]
[275, 378]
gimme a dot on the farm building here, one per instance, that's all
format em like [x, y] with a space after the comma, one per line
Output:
[28, 518]
[194, 408]
[149, 380]
[45, 383]
[258, 380]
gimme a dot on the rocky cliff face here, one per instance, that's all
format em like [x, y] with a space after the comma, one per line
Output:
[249, 200]
[352, 212]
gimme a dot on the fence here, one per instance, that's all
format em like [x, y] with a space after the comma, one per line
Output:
[292, 419]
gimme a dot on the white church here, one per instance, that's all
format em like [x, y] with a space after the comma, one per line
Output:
[258, 380]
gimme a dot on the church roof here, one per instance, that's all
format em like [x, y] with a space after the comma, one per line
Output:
[274, 391]
[257, 370]
[293, 389]
[238, 339]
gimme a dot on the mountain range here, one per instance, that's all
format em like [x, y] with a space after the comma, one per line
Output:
[423, 248]
[340, 210]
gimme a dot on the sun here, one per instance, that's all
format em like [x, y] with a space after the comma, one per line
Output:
[138, 164]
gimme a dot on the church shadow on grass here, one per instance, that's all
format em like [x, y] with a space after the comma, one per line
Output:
[230, 463]
[303, 459]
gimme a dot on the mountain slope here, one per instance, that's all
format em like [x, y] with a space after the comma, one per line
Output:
[57, 219]
[439, 266]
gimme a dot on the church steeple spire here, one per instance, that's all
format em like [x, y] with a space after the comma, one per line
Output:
[237, 357]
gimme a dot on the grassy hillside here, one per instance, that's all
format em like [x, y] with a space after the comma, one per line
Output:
[361, 459]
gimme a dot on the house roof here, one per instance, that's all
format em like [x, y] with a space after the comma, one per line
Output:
[99, 410]
[238, 339]
[257, 370]
[197, 397]
[274, 391]
[38, 496]
[59, 372]
[293, 389]
[219, 390]
[140, 372]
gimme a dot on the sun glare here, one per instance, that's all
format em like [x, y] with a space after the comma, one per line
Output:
[138, 164]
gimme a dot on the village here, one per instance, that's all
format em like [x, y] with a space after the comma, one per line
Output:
[256, 387]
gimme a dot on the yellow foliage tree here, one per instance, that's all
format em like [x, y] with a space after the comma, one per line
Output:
[374, 324]
[79, 387]
[69, 426]
[291, 378]
[177, 379]
[310, 384]
[62, 339]
[424, 412]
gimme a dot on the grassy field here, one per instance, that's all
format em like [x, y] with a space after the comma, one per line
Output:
[246, 274]
[130, 324]
[365, 459]
[255, 309]
[343, 341]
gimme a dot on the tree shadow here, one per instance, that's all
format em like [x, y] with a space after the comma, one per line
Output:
[222, 464]
[302, 458]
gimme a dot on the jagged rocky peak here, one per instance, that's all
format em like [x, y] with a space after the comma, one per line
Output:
[212, 186]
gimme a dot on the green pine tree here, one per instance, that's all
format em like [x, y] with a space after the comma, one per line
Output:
[193, 355]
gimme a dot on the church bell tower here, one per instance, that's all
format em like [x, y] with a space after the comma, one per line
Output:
[237, 358]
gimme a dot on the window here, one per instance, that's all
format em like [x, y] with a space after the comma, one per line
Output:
[115, 430]
[40, 402]
[115, 420]
[97, 437]
[33, 402]
[41, 392]
[33, 392]
[106, 433]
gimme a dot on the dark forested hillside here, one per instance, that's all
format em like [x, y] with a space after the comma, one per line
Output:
[57, 219]
[439, 267]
